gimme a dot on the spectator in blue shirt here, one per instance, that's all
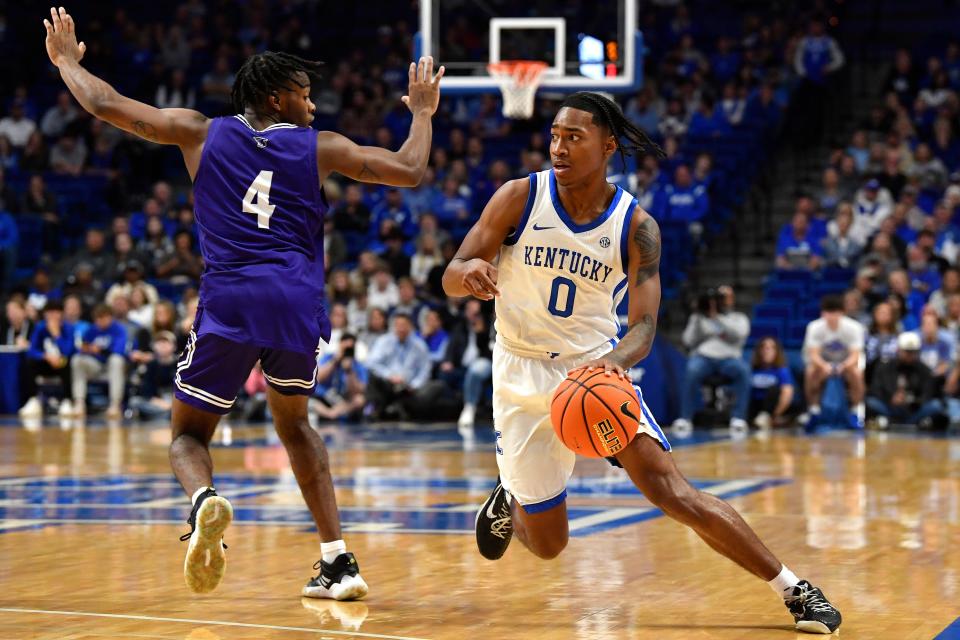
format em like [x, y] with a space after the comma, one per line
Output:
[771, 385]
[399, 364]
[684, 200]
[341, 383]
[393, 208]
[881, 343]
[708, 121]
[9, 239]
[49, 355]
[725, 62]
[913, 301]
[924, 277]
[103, 350]
[817, 55]
[432, 332]
[644, 110]
[451, 208]
[763, 109]
[797, 248]
[938, 347]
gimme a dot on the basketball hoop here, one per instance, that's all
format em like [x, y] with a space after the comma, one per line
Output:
[518, 80]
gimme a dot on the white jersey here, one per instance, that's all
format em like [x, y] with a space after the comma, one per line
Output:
[560, 283]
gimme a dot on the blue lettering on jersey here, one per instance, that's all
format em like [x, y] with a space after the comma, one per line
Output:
[579, 264]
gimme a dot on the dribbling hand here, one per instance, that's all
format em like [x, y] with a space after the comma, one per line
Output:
[608, 366]
[62, 38]
[423, 94]
[480, 279]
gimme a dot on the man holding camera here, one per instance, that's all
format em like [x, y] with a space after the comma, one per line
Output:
[715, 335]
[341, 383]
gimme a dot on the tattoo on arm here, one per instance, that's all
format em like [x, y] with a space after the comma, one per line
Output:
[145, 130]
[647, 239]
[367, 172]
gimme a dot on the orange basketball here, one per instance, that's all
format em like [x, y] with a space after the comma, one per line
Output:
[595, 415]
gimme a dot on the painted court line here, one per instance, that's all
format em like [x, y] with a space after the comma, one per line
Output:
[950, 633]
[222, 623]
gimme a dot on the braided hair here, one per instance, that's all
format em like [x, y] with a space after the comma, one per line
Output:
[266, 72]
[607, 113]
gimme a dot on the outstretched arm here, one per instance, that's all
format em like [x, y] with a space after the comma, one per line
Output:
[401, 168]
[471, 272]
[183, 127]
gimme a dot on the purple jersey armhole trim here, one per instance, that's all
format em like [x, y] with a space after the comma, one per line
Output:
[212, 131]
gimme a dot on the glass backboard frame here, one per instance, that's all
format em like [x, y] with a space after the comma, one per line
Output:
[556, 78]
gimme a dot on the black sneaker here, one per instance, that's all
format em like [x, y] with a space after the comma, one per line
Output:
[338, 580]
[494, 524]
[205, 562]
[811, 610]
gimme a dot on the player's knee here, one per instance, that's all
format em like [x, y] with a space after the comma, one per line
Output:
[549, 548]
[184, 440]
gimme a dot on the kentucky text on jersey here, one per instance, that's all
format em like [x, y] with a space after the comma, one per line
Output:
[566, 260]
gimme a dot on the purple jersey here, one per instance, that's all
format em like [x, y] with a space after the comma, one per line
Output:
[259, 210]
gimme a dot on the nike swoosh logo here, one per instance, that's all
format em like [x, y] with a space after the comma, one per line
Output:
[625, 410]
[536, 228]
[490, 512]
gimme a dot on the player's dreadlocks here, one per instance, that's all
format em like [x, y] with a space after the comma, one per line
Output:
[266, 72]
[607, 113]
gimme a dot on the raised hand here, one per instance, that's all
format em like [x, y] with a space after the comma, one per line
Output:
[423, 94]
[62, 38]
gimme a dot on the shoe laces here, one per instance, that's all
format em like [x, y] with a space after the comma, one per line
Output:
[503, 525]
[811, 598]
[192, 521]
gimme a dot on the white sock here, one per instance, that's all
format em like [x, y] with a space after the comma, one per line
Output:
[814, 410]
[330, 550]
[196, 494]
[784, 583]
[860, 410]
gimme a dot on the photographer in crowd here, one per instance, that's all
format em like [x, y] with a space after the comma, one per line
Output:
[715, 335]
[341, 383]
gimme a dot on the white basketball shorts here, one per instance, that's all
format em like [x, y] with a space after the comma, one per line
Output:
[534, 464]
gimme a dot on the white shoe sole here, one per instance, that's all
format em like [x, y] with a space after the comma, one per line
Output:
[349, 588]
[206, 562]
[812, 626]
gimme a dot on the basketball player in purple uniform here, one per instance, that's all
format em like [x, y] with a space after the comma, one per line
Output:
[259, 208]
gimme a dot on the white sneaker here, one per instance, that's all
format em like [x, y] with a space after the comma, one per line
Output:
[32, 409]
[206, 562]
[739, 428]
[466, 421]
[337, 580]
[66, 409]
[114, 413]
[682, 427]
[763, 421]
[467, 416]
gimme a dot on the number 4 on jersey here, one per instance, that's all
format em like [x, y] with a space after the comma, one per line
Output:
[257, 199]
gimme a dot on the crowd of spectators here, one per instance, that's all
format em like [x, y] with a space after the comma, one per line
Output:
[887, 212]
[117, 264]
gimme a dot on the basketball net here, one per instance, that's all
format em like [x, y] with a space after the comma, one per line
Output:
[518, 80]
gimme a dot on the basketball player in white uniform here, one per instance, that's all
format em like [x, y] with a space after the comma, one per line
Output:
[570, 246]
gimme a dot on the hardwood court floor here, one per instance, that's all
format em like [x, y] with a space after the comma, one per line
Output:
[90, 519]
